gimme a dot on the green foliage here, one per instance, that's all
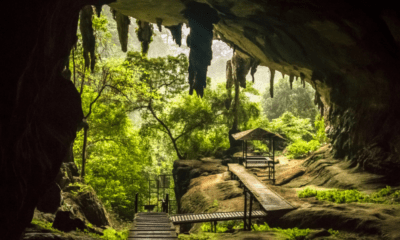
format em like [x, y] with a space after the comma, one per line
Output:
[112, 234]
[384, 196]
[307, 192]
[299, 131]
[333, 232]
[87, 232]
[299, 148]
[82, 188]
[297, 100]
[292, 233]
[215, 203]
[44, 225]
[293, 127]
[223, 226]
[206, 227]
[319, 124]
[196, 237]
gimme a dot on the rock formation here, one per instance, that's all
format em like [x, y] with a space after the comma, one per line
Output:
[349, 51]
[123, 28]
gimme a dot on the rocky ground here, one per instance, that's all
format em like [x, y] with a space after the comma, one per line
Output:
[207, 187]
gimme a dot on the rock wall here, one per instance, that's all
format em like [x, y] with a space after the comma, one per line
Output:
[39, 109]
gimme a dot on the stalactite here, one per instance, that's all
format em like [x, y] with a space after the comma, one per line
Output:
[253, 68]
[98, 9]
[144, 33]
[99, 6]
[303, 79]
[176, 32]
[229, 84]
[319, 103]
[229, 78]
[199, 41]
[291, 78]
[88, 40]
[123, 29]
[271, 82]
[159, 23]
[240, 68]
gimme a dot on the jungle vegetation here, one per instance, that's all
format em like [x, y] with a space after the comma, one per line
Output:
[140, 118]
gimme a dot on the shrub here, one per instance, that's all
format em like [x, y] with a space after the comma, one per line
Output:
[292, 233]
[112, 234]
[385, 195]
[307, 192]
[300, 148]
[333, 232]
[195, 237]
[320, 129]
[206, 227]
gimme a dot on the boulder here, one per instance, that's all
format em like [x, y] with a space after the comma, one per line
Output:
[51, 200]
[68, 221]
[86, 205]
[93, 209]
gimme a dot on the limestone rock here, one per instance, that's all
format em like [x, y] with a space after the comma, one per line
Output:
[67, 221]
[186, 170]
[86, 205]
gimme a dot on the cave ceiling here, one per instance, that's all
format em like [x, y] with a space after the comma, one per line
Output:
[327, 43]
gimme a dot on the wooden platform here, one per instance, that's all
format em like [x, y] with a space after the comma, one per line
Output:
[152, 226]
[269, 200]
[209, 217]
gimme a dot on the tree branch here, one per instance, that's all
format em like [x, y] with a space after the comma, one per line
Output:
[90, 106]
[167, 129]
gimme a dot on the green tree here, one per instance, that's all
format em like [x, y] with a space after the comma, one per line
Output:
[201, 125]
[298, 100]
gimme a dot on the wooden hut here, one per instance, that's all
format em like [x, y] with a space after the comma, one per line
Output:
[259, 161]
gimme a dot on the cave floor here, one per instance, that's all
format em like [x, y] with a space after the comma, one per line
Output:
[319, 171]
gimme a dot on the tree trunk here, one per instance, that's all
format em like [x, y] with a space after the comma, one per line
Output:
[236, 106]
[85, 129]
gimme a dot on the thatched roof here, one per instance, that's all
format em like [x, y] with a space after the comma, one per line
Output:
[256, 134]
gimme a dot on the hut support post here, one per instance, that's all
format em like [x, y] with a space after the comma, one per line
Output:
[273, 161]
[245, 209]
[250, 210]
[136, 202]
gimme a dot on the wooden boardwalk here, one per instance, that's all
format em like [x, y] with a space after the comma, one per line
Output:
[152, 226]
[269, 200]
[210, 217]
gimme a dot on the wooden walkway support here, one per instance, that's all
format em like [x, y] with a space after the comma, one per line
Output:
[268, 199]
[152, 225]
